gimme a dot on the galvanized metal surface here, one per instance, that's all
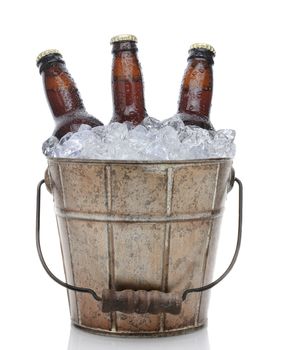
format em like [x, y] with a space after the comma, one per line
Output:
[138, 225]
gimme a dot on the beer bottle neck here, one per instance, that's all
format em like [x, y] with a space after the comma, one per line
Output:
[127, 84]
[197, 87]
[61, 91]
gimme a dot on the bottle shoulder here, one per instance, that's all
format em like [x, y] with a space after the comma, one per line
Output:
[71, 122]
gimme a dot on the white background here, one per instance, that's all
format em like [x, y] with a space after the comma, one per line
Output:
[246, 310]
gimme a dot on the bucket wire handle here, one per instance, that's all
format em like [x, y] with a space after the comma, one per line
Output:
[38, 245]
[141, 301]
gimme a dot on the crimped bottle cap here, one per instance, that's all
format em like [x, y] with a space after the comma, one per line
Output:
[203, 46]
[47, 52]
[123, 37]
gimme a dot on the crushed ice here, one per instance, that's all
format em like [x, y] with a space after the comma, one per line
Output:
[151, 140]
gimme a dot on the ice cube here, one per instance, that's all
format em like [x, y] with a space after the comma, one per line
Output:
[175, 122]
[129, 125]
[84, 127]
[150, 140]
[100, 132]
[151, 123]
[49, 146]
[138, 132]
[65, 138]
[222, 145]
[116, 132]
[155, 151]
[70, 149]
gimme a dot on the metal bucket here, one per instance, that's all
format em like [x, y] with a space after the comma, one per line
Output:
[136, 239]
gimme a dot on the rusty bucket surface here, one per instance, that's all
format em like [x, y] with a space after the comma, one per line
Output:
[130, 226]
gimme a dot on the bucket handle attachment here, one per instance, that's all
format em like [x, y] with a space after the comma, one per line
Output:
[140, 301]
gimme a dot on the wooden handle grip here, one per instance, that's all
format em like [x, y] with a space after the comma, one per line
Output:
[141, 301]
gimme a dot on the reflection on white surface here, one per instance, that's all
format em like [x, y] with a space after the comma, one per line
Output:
[83, 340]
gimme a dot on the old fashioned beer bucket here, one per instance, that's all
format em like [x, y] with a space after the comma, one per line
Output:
[139, 240]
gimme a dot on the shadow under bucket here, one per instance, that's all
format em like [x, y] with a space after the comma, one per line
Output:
[139, 240]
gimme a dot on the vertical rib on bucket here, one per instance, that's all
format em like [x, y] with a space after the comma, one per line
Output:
[139, 225]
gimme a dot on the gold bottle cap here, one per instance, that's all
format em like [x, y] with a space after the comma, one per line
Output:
[123, 37]
[203, 46]
[47, 52]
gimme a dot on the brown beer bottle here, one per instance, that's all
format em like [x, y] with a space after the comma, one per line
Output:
[127, 81]
[62, 94]
[197, 86]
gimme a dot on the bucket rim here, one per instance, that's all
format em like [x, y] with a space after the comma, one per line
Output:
[139, 162]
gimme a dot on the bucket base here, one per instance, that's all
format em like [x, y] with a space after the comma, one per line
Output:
[166, 333]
